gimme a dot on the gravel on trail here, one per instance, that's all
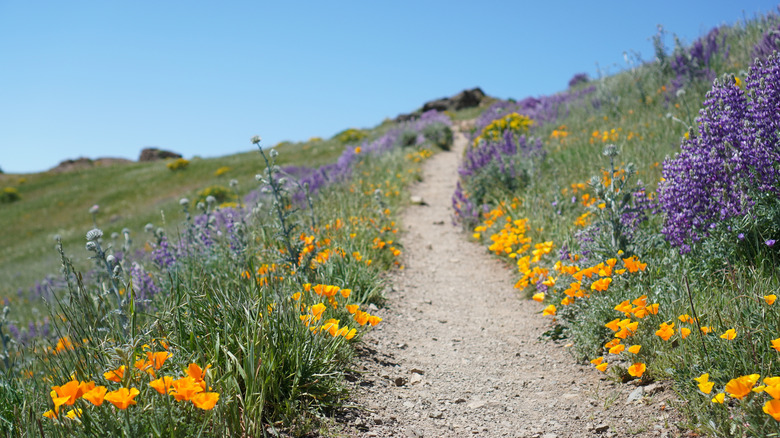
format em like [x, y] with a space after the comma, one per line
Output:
[460, 354]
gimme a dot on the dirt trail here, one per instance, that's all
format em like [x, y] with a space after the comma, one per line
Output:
[458, 354]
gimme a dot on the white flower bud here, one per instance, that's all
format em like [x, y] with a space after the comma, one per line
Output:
[94, 234]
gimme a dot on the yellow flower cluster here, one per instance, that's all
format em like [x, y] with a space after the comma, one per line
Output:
[742, 387]
[514, 122]
[313, 316]
[221, 171]
[351, 135]
[178, 164]
[560, 134]
[191, 387]
[419, 156]
[612, 136]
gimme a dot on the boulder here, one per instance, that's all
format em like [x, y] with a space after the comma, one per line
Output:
[464, 99]
[154, 154]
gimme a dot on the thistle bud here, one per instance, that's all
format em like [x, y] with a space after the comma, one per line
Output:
[94, 234]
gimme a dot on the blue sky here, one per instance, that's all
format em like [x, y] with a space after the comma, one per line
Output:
[108, 78]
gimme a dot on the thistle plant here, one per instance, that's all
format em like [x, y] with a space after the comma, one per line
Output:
[281, 204]
[621, 206]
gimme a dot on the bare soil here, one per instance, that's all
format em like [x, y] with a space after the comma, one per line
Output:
[459, 353]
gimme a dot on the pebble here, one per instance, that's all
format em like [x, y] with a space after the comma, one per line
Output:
[636, 395]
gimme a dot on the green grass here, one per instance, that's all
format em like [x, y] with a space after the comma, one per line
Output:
[129, 196]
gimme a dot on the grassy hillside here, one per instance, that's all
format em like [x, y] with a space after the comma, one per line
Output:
[129, 196]
[642, 210]
[224, 318]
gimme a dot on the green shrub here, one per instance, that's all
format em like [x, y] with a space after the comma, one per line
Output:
[407, 138]
[9, 195]
[220, 193]
[440, 135]
[178, 164]
[350, 135]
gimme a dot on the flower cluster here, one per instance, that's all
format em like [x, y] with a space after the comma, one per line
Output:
[696, 61]
[177, 164]
[189, 388]
[719, 172]
[515, 123]
[312, 316]
[742, 388]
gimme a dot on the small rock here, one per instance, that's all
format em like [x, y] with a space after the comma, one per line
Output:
[476, 404]
[417, 371]
[400, 381]
[417, 200]
[653, 388]
[601, 428]
[636, 394]
[460, 400]
[415, 379]
[408, 404]
[436, 415]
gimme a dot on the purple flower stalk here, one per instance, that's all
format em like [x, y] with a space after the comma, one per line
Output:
[735, 156]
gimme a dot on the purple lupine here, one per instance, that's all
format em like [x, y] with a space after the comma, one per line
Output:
[318, 178]
[143, 284]
[769, 43]
[14, 331]
[542, 110]
[579, 78]
[696, 61]
[510, 161]
[162, 255]
[465, 210]
[717, 174]
[642, 205]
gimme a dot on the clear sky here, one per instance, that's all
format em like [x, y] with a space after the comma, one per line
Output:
[108, 78]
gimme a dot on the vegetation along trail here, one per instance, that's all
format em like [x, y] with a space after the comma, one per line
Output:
[460, 355]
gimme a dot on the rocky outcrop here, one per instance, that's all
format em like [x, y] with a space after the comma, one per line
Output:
[464, 99]
[154, 154]
[82, 163]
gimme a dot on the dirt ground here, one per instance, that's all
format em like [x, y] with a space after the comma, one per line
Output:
[459, 353]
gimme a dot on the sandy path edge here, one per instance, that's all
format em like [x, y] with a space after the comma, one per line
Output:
[458, 354]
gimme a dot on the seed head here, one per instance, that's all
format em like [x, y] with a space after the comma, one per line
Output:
[94, 234]
[149, 227]
[256, 139]
[184, 202]
[274, 153]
